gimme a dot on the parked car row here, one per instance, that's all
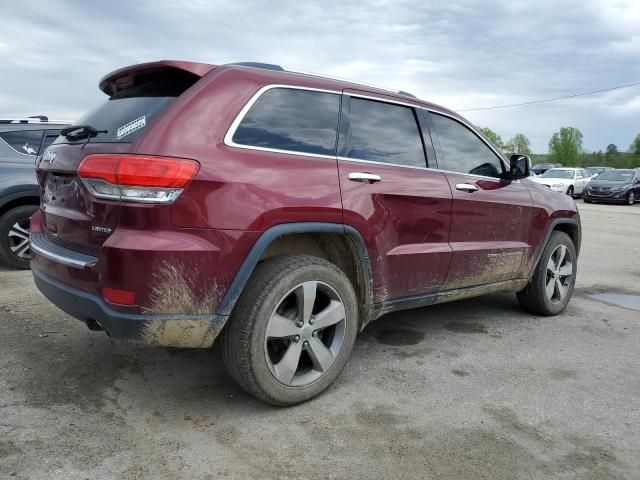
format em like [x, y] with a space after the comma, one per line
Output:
[605, 185]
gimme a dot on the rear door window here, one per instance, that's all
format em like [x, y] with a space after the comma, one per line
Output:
[293, 120]
[384, 132]
[26, 142]
[463, 150]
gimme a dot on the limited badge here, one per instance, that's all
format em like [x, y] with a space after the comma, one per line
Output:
[131, 127]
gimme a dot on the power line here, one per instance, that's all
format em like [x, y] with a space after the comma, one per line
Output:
[552, 99]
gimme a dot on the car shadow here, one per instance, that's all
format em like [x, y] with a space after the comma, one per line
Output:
[88, 370]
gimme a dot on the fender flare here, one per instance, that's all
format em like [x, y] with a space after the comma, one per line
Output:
[271, 234]
[32, 193]
[552, 226]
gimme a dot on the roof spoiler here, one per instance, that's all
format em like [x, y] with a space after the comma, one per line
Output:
[116, 80]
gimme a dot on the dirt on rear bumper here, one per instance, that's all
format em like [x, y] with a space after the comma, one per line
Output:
[183, 331]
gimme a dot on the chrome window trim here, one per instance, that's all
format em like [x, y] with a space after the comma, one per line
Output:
[428, 169]
[228, 138]
[438, 112]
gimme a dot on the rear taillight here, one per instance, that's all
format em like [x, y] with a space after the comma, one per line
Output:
[137, 178]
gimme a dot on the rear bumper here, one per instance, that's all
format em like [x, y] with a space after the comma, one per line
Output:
[187, 331]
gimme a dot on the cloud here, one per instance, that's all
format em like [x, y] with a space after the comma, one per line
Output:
[461, 53]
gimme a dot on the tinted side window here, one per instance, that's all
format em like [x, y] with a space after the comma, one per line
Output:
[26, 142]
[291, 119]
[384, 132]
[463, 151]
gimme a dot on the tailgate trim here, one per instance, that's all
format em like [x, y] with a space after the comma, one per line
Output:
[45, 247]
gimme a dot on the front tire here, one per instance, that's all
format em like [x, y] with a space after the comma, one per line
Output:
[14, 237]
[292, 330]
[551, 286]
[570, 191]
[631, 197]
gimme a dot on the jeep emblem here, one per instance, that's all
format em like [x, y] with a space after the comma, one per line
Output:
[49, 156]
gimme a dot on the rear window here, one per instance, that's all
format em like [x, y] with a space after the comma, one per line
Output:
[291, 120]
[131, 109]
[26, 142]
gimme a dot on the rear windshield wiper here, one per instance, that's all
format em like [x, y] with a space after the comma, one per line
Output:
[78, 132]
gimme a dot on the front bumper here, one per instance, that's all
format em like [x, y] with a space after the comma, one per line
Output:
[614, 197]
[186, 331]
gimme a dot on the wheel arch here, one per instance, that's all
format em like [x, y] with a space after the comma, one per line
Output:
[341, 244]
[19, 199]
[570, 226]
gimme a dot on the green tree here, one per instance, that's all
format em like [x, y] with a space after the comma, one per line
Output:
[519, 144]
[635, 146]
[612, 149]
[565, 146]
[493, 137]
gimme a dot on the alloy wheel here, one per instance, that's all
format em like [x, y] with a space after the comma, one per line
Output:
[559, 274]
[19, 239]
[305, 334]
[631, 198]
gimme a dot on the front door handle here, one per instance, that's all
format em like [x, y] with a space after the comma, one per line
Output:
[466, 187]
[364, 177]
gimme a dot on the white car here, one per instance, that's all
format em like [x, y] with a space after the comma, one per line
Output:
[565, 180]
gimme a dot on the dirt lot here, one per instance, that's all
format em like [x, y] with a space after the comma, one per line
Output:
[471, 390]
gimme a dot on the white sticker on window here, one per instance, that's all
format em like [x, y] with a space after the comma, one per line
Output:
[29, 149]
[131, 127]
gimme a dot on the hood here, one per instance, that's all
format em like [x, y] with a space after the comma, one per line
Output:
[551, 181]
[607, 183]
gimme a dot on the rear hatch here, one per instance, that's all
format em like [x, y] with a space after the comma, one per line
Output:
[72, 217]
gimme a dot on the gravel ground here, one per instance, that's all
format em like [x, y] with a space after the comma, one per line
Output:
[469, 390]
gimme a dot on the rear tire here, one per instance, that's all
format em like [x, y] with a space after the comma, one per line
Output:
[280, 344]
[551, 286]
[14, 236]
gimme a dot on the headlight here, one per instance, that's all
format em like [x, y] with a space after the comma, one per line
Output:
[557, 185]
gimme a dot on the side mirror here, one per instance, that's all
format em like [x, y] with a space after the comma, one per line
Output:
[519, 166]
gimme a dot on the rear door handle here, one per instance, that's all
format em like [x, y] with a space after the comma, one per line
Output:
[466, 187]
[364, 177]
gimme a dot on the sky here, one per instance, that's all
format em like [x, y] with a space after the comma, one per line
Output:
[462, 54]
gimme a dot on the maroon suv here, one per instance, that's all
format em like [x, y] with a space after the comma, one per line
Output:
[283, 212]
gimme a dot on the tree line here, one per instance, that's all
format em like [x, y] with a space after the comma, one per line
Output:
[565, 147]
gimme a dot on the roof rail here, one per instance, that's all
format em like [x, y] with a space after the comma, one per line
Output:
[270, 66]
[264, 66]
[33, 119]
[355, 82]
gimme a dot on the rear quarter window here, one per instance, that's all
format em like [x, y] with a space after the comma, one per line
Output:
[26, 142]
[293, 120]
